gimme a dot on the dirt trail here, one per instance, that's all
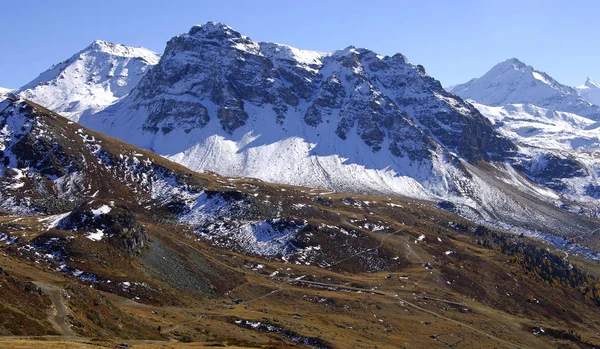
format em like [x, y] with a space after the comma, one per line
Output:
[58, 316]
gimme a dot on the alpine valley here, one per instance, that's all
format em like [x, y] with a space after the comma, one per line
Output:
[251, 194]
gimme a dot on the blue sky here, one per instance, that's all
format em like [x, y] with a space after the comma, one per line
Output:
[454, 40]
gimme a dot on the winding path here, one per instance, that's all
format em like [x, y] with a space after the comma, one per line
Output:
[58, 316]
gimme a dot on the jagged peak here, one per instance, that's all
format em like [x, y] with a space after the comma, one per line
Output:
[510, 64]
[590, 82]
[217, 33]
[214, 28]
[353, 50]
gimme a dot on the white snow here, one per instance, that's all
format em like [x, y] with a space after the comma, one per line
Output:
[4, 92]
[514, 82]
[539, 77]
[52, 222]
[91, 80]
[96, 236]
[104, 209]
[590, 91]
[263, 238]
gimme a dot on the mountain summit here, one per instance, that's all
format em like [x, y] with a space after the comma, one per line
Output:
[514, 82]
[90, 80]
[590, 91]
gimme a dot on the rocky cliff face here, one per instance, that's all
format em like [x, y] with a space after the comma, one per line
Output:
[348, 120]
[390, 102]
[101, 219]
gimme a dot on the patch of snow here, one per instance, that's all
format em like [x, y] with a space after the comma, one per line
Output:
[104, 209]
[96, 236]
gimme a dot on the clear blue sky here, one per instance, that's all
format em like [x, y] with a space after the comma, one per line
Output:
[454, 40]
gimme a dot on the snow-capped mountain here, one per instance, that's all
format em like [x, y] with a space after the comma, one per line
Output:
[557, 132]
[590, 91]
[514, 82]
[348, 120]
[90, 80]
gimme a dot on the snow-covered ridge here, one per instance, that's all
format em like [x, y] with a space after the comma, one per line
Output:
[121, 50]
[4, 91]
[514, 82]
[92, 79]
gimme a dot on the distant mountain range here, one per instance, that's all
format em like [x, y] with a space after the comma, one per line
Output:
[514, 82]
[349, 120]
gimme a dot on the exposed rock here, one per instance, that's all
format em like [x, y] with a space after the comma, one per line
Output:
[117, 222]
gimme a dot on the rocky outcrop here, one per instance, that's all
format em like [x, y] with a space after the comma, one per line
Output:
[114, 221]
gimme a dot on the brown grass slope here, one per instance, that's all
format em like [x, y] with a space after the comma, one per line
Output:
[384, 272]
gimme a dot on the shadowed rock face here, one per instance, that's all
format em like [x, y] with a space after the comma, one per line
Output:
[549, 169]
[170, 114]
[214, 71]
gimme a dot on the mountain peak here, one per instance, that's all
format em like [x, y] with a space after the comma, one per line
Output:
[212, 34]
[120, 50]
[590, 91]
[590, 82]
[214, 29]
[512, 64]
[90, 80]
[514, 82]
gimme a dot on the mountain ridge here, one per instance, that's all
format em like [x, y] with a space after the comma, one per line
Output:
[316, 95]
[90, 80]
[514, 82]
[349, 120]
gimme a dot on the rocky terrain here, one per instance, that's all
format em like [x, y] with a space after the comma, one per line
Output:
[346, 121]
[106, 244]
[276, 197]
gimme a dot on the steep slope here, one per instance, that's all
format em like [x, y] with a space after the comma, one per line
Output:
[349, 120]
[90, 80]
[590, 91]
[131, 249]
[514, 82]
